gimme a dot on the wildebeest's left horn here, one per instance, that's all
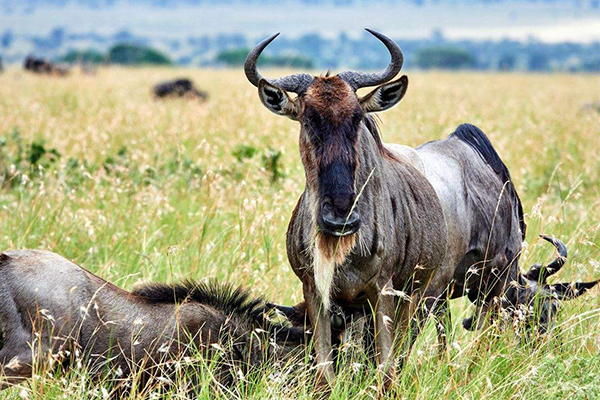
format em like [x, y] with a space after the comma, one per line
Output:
[569, 291]
[540, 273]
[297, 83]
[360, 79]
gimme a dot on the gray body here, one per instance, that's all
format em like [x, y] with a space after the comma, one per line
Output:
[483, 219]
[49, 305]
[401, 243]
[72, 308]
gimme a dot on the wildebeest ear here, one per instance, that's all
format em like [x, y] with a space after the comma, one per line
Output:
[297, 315]
[277, 100]
[569, 291]
[385, 96]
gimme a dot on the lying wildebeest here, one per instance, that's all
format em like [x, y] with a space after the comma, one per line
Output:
[368, 221]
[41, 66]
[376, 221]
[179, 88]
[50, 307]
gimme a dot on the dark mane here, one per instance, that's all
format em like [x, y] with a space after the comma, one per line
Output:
[222, 296]
[227, 298]
[474, 137]
[373, 128]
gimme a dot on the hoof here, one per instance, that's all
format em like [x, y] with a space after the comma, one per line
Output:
[467, 323]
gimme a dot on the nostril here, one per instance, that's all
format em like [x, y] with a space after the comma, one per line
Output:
[353, 218]
[327, 210]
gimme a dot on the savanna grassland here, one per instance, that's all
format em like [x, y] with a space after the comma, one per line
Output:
[139, 190]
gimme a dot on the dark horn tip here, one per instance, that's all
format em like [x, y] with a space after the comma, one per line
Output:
[372, 31]
[560, 246]
[252, 58]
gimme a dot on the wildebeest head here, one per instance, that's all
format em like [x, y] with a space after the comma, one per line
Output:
[332, 118]
[536, 301]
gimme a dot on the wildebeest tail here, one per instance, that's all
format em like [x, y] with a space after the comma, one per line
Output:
[475, 138]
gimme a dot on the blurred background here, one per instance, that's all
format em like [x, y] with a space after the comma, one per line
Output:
[526, 35]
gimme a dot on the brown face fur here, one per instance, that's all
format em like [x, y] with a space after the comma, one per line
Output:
[330, 117]
[335, 102]
[333, 98]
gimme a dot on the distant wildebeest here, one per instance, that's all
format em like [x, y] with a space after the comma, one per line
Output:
[387, 227]
[593, 106]
[179, 88]
[50, 308]
[41, 66]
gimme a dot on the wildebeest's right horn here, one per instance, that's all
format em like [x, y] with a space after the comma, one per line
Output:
[540, 273]
[360, 79]
[297, 83]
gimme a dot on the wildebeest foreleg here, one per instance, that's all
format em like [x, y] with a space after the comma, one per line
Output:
[15, 364]
[443, 322]
[384, 336]
[438, 307]
[320, 321]
[476, 321]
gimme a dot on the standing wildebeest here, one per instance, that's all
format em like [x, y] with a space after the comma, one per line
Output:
[41, 66]
[368, 221]
[179, 88]
[376, 220]
[50, 307]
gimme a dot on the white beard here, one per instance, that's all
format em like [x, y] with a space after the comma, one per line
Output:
[324, 270]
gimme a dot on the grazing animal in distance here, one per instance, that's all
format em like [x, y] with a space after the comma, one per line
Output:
[179, 88]
[51, 307]
[368, 223]
[42, 66]
[593, 106]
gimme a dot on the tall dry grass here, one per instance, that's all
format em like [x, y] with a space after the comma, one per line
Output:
[148, 190]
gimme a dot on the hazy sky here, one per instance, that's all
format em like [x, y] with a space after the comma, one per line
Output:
[553, 23]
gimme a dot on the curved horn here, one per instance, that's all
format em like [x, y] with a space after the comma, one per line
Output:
[540, 273]
[360, 79]
[297, 83]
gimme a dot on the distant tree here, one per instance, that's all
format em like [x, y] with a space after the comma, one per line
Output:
[89, 56]
[7, 38]
[232, 57]
[507, 62]
[444, 58]
[591, 65]
[294, 61]
[538, 61]
[131, 54]
[236, 57]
